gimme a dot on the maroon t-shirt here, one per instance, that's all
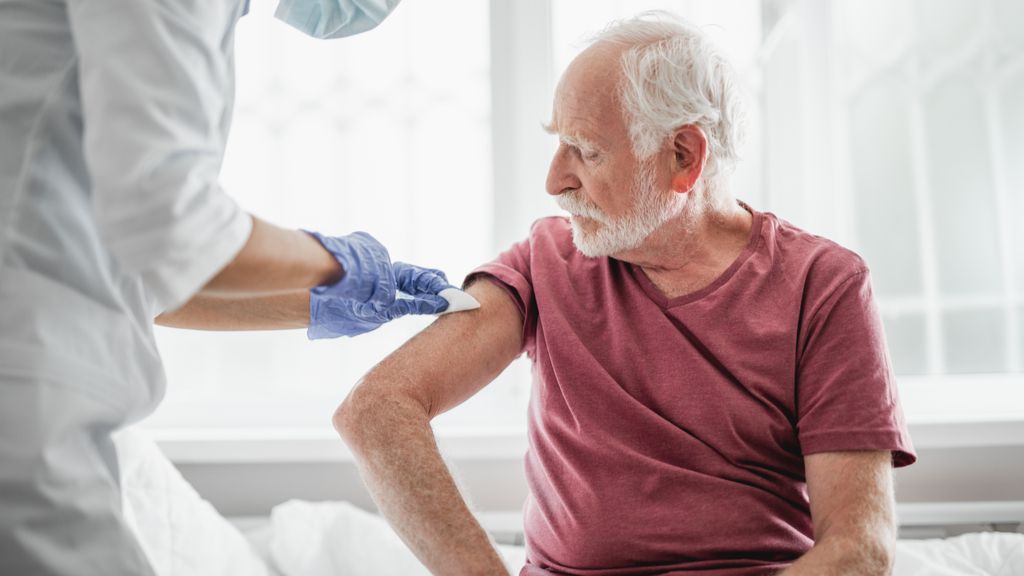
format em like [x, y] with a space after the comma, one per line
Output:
[667, 436]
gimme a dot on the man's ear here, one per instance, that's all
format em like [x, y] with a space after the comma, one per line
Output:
[690, 146]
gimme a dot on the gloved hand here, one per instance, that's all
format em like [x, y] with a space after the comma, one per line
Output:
[367, 295]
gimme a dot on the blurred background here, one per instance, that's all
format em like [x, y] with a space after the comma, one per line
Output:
[895, 127]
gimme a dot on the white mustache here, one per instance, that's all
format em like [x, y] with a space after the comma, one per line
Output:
[573, 204]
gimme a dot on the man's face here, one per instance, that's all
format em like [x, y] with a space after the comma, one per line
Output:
[616, 200]
[651, 208]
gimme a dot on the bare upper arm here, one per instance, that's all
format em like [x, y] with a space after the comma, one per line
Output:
[454, 357]
[851, 494]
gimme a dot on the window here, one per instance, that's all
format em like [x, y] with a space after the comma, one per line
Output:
[908, 148]
[895, 128]
[387, 132]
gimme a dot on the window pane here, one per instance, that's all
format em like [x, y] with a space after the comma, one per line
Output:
[945, 28]
[1008, 16]
[960, 173]
[886, 214]
[907, 341]
[1011, 116]
[875, 31]
[975, 341]
[784, 149]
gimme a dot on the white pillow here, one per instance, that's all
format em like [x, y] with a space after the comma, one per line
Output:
[339, 539]
[977, 554]
[182, 534]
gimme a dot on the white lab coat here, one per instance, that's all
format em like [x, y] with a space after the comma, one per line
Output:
[114, 115]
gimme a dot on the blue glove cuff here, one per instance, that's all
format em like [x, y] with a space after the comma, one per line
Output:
[368, 274]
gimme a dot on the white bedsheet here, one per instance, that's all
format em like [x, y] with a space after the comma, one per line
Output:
[184, 536]
[980, 554]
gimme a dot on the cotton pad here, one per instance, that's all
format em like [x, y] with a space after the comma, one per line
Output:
[457, 301]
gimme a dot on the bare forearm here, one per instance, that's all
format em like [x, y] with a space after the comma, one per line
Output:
[400, 463]
[275, 260]
[853, 508]
[287, 310]
[844, 557]
[386, 422]
[266, 286]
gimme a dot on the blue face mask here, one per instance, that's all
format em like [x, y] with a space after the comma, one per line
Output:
[334, 18]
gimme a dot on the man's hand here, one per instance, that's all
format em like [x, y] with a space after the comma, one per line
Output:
[386, 422]
[853, 509]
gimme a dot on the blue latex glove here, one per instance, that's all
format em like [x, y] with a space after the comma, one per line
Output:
[367, 295]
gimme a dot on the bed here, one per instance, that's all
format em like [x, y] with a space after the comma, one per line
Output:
[184, 535]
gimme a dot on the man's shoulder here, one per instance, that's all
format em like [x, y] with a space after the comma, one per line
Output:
[549, 243]
[812, 253]
[551, 237]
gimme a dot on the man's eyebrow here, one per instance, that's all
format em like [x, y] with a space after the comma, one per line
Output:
[573, 140]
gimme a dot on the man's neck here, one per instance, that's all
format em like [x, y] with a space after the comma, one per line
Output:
[690, 251]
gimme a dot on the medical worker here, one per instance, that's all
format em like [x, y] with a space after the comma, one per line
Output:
[113, 120]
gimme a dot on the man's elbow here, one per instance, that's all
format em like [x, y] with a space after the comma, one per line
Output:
[349, 417]
[882, 543]
[882, 556]
[869, 555]
[376, 412]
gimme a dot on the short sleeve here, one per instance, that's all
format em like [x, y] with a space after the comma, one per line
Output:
[511, 271]
[846, 391]
[156, 82]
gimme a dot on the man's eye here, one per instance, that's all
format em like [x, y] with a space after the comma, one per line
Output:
[590, 156]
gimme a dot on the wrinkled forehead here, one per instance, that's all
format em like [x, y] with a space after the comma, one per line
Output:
[588, 89]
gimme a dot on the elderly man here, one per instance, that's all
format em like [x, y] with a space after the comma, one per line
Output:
[712, 392]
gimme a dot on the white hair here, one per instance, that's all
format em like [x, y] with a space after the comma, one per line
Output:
[674, 76]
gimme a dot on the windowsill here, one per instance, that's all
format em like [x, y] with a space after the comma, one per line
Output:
[948, 412]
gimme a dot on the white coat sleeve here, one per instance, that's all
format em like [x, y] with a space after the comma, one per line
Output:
[156, 82]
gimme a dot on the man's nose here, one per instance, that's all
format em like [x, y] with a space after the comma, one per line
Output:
[561, 178]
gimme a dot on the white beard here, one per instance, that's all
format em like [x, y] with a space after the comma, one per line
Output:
[627, 232]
